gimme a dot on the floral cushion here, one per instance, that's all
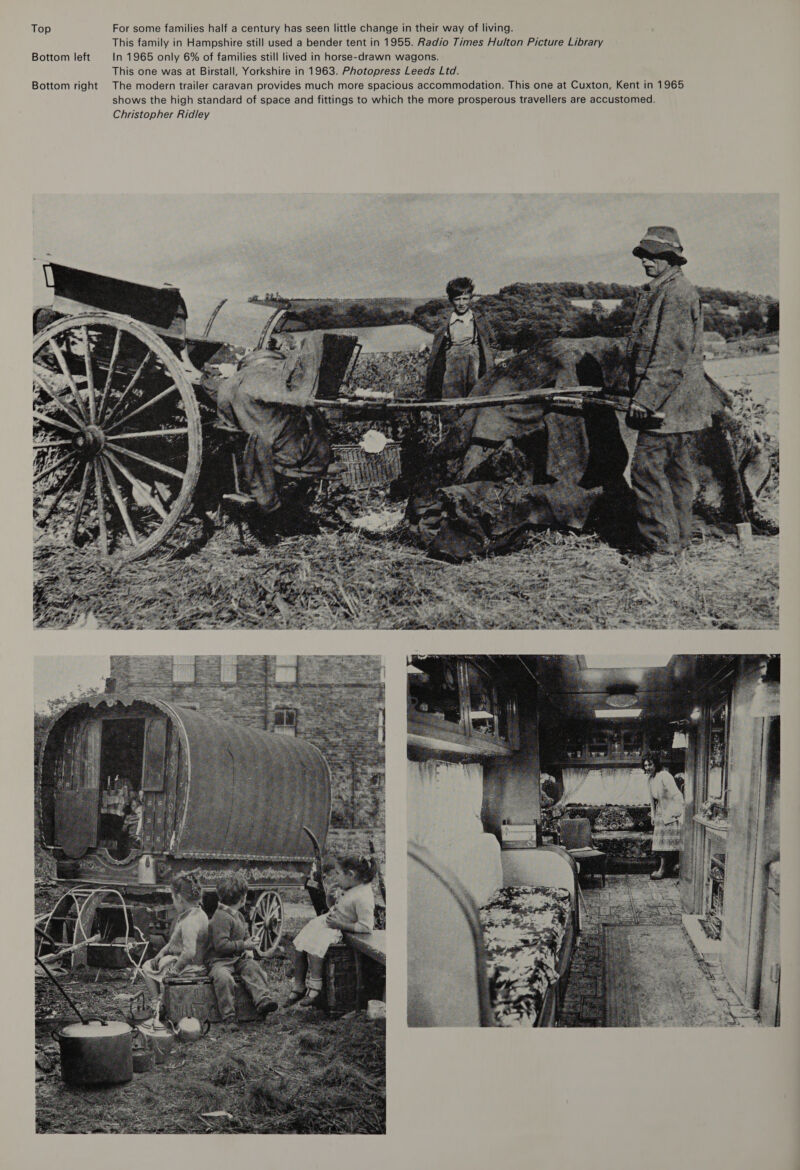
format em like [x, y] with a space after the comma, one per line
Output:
[523, 928]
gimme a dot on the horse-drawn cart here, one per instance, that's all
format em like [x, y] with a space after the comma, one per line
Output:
[122, 424]
[135, 790]
[126, 438]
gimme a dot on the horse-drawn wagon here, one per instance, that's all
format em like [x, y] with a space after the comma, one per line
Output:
[123, 426]
[135, 790]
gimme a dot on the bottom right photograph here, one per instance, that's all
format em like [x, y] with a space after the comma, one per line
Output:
[594, 841]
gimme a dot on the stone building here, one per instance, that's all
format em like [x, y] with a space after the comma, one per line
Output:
[335, 702]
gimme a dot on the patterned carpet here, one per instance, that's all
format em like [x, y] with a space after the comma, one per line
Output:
[654, 980]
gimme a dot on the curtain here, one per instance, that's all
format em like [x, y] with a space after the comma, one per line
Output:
[624, 785]
[444, 803]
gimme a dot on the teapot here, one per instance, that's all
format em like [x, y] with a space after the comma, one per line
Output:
[191, 1029]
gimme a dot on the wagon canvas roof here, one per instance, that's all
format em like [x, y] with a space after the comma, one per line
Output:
[248, 792]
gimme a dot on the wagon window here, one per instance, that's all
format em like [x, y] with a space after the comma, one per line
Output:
[285, 721]
[227, 668]
[286, 668]
[183, 668]
[155, 745]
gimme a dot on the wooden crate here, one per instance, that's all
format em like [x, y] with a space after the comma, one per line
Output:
[197, 999]
[342, 980]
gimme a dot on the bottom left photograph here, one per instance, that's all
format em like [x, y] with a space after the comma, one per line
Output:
[210, 903]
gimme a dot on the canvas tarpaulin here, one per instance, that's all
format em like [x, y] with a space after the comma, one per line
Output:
[565, 470]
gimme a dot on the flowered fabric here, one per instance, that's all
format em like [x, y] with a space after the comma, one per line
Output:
[523, 928]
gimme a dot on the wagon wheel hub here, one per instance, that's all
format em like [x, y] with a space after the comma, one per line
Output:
[89, 441]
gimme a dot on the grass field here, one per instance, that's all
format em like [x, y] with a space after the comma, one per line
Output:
[345, 580]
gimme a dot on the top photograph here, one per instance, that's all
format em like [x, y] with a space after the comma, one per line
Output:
[392, 411]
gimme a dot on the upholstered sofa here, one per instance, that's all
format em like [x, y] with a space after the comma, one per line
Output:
[490, 934]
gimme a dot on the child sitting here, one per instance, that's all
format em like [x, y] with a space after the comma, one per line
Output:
[230, 944]
[184, 952]
[354, 912]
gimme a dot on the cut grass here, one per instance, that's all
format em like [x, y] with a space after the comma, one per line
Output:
[345, 580]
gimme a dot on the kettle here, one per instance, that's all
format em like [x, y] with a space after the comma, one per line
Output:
[161, 1038]
[191, 1029]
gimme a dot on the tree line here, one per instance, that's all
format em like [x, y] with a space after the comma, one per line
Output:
[524, 315]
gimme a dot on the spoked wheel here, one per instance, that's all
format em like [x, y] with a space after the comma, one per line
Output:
[266, 923]
[117, 440]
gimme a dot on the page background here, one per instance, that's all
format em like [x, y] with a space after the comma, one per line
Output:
[465, 1099]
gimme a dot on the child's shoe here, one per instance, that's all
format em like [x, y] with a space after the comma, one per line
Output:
[266, 1007]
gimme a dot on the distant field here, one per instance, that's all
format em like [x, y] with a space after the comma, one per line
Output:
[761, 372]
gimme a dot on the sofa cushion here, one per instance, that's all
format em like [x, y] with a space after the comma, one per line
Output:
[523, 928]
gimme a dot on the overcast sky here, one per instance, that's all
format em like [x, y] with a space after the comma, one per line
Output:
[405, 245]
[54, 678]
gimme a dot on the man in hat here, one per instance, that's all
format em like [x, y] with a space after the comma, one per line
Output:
[665, 364]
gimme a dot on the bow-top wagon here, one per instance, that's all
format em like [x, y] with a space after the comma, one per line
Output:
[135, 790]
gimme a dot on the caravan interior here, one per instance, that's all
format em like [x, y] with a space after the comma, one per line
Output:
[533, 844]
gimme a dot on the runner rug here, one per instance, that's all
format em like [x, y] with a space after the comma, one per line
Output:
[653, 979]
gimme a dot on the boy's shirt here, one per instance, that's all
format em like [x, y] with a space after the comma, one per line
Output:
[226, 934]
[461, 328]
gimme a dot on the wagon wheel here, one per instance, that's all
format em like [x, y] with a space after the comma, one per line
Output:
[266, 923]
[117, 440]
[70, 923]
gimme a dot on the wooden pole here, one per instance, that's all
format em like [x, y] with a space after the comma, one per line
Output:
[525, 396]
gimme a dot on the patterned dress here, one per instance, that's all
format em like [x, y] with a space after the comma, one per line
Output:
[666, 806]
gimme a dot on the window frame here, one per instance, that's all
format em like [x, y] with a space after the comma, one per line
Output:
[284, 728]
[187, 661]
[286, 663]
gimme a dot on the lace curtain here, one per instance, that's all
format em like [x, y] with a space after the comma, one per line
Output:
[623, 785]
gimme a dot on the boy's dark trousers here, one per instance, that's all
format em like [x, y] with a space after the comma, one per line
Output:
[222, 974]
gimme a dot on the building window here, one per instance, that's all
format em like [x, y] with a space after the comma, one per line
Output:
[183, 668]
[227, 668]
[284, 721]
[381, 725]
[286, 668]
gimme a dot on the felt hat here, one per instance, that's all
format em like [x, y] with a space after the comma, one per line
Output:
[661, 241]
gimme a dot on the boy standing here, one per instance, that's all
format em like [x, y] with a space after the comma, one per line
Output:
[229, 952]
[460, 352]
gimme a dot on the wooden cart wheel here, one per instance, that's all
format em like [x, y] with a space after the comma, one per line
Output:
[70, 923]
[117, 440]
[266, 923]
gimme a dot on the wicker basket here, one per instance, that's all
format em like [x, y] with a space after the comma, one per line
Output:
[360, 468]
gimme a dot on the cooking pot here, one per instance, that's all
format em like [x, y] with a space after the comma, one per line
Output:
[97, 1052]
[190, 1028]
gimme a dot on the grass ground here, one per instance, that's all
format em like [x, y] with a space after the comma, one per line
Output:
[340, 580]
[298, 1071]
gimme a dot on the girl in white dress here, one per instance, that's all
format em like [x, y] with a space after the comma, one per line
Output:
[353, 912]
[666, 808]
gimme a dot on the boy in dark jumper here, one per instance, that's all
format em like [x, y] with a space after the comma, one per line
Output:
[229, 952]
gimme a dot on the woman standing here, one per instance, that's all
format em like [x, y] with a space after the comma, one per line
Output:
[666, 809]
